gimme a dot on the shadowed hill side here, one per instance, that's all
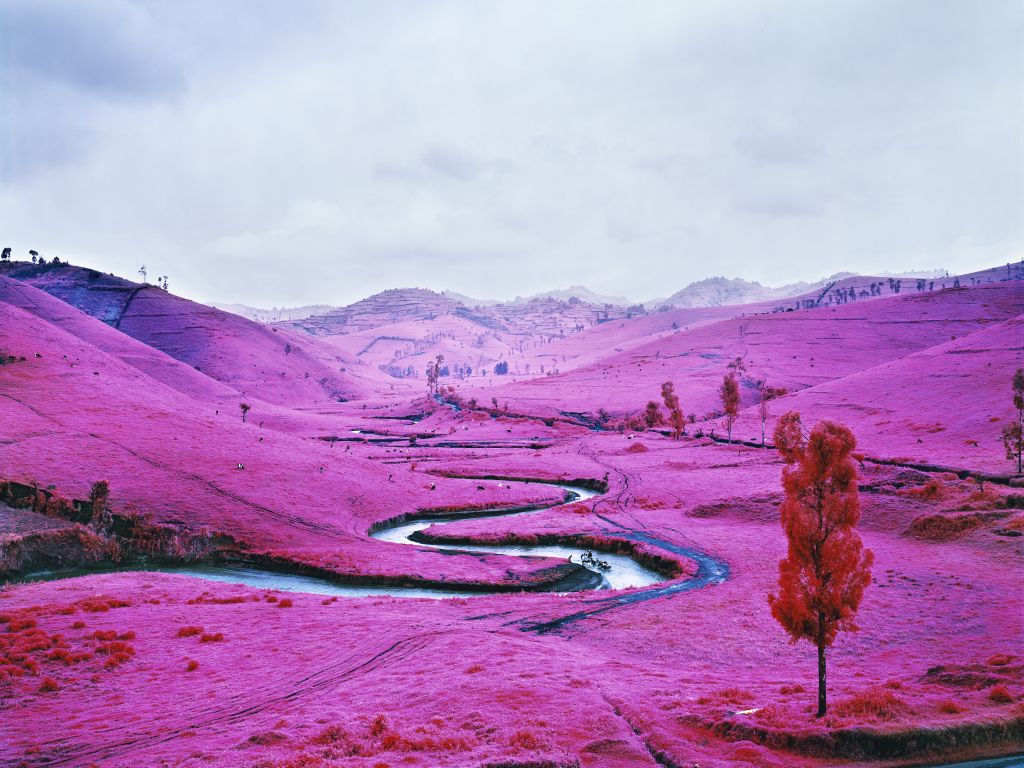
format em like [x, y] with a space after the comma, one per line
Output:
[152, 362]
[254, 360]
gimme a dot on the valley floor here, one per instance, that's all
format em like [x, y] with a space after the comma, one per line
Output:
[158, 669]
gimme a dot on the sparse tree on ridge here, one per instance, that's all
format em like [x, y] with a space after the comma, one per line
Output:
[5, 255]
[826, 569]
[244, 408]
[730, 393]
[1013, 433]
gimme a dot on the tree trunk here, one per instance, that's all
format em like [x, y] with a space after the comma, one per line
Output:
[821, 679]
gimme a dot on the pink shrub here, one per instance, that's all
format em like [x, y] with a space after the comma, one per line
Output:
[1000, 694]
[48, 685]
[871, 704]
[525, 740]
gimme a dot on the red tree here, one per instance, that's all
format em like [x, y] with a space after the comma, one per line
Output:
[826, 569]
[1013, 433]
[675, 414]
[652, 415]
[98, 495]
[730, 392]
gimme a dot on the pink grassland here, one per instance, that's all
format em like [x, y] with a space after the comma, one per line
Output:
[97, 670]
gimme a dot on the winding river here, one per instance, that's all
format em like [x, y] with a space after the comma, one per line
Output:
[624, 572]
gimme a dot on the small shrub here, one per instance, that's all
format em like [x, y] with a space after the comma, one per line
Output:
[944, 527]
[102, 605]
[787, 690]
[524, 740]
[999, 660]
[1000, 694]
[286, 603]
[205, 599]
[734, 696]
[78, 625]
[330, 735]
[48, 685]
[950, 707]
[871, 704]
[637, 448]
[211, 637]
[189, 631]
[773, 716]
[930, 491]
[117, 653]
[192, 665]
[378, 726]
[116, 647]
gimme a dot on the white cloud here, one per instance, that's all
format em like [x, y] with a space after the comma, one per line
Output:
[327, 150]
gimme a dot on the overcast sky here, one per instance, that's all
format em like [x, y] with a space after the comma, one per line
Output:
[284, 153]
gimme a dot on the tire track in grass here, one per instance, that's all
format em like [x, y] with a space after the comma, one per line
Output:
[710, 569]
[245, 705]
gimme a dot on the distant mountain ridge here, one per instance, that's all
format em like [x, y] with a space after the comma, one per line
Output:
[274, 315]
[723, 291]
[710, 292]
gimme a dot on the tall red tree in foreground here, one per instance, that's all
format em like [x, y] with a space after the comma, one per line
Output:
[826, 569]
[730, 392]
